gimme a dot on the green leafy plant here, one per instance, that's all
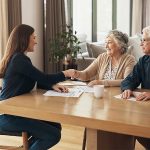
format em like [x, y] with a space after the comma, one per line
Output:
[66, 43]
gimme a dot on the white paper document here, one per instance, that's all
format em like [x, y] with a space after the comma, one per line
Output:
[132, 98]
[120, 97]
[73, 92]
[87, 89]
[73, 83]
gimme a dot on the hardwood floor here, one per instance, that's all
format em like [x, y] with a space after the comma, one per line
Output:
[72, 137]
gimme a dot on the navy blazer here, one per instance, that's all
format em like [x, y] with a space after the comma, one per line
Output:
[21, 75]
[139, 75]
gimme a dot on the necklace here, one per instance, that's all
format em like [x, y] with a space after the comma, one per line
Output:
[114, 62]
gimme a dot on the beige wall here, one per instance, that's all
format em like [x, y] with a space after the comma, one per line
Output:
[32, 14]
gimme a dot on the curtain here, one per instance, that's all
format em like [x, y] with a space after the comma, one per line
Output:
[140, 15]
[14, 13]
[68, 11]
[137, 16]
[10, 16]
[3, 26]
[54, 20]
[146, 13]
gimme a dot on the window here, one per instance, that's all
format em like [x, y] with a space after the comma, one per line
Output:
[82, 17]
[96, 17]
[123, 17]
[104, 18]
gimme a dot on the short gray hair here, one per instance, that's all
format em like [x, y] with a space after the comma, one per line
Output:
[147, 31]
[121, 38]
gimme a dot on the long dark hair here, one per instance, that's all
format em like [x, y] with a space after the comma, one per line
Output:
[18, 41]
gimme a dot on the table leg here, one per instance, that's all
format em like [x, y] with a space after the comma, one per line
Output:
[91, 137]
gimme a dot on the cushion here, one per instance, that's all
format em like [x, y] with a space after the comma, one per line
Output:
[84, 54]
[83, 47]
[137, 51]
[95, 50]
[89, 50]
[130, 50]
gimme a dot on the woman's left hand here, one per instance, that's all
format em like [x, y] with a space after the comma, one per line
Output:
[60, 88]
[144, 96]
[94, 82]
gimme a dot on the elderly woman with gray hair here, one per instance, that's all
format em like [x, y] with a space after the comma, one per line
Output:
[112, 67]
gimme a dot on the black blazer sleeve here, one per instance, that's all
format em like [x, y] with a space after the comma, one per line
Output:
[22, 64]
[133, 80]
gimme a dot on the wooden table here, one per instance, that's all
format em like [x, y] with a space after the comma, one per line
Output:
[108, 113]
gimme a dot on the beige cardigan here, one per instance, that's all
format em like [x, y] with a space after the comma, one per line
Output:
[99, 65]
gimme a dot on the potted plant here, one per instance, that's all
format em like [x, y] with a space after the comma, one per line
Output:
[65, 48]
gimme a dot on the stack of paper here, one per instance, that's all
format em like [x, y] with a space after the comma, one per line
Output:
[77, 89]
[72, 83]
[87, 89]
[73, 92]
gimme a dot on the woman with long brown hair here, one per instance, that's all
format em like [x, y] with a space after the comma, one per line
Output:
[19, 77]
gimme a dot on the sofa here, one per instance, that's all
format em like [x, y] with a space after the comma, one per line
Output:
[90, 51]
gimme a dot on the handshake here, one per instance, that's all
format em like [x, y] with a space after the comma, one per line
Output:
[81, 75]
[72, 73]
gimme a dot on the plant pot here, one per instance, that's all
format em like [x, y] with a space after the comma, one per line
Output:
[69, 63]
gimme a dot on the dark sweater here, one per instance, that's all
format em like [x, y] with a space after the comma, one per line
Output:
[139, 75]
[21, 75]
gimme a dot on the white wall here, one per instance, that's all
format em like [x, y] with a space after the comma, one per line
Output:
[32, 14]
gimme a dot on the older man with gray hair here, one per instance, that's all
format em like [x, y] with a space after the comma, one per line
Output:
[140, 75]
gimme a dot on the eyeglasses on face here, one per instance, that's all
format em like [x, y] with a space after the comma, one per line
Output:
[145, 40]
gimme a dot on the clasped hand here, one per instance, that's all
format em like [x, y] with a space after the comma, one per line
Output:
[74, 74]
[144, 96]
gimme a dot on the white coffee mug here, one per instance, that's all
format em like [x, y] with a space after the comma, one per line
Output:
[98, 91]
